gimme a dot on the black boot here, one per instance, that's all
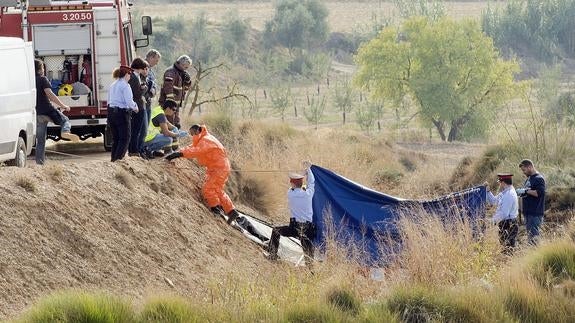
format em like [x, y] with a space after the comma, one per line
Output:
[217, 210]
[232, 215]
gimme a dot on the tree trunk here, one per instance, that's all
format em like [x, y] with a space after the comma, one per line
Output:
[453, 134]
[439, 126]
[343, 115]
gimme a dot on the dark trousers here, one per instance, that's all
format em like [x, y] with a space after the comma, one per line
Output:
[305, 231]
[120, 123]
[508, 234]
[138, 132]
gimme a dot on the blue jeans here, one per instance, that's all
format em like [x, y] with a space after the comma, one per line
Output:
[532, 224]
[160, 141]
[42, 129]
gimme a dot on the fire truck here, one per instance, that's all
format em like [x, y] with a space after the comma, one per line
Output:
[81, 43]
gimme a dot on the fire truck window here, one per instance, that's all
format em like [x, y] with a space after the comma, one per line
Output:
[127, 42]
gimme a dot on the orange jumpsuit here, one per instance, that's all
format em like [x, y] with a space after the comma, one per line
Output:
[209, 152]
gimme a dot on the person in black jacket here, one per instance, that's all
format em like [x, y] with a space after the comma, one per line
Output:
[533, 195]
[139, 126]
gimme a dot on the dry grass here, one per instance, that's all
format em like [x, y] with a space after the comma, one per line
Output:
[449, 251]
[124, 178]
[27, 183]
[55, 171]
[343, 16]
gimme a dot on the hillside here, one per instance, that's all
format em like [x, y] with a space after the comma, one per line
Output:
[126, 228]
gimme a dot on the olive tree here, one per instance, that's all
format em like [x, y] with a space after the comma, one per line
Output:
[449, 69]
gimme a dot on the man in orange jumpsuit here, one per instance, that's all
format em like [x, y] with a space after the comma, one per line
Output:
[210, 153]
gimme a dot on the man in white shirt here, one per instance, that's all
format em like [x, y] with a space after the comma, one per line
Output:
[506, 213]
[301, 215]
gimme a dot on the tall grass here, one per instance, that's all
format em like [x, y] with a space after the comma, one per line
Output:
[438, 251]
[75, 306]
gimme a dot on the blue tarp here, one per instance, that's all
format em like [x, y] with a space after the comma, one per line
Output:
[363, 216]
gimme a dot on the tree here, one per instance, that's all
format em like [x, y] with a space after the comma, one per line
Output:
[449, 69]
[315, 111]
[298, 24]
[234, 33]
[281, 97]
[343, 97]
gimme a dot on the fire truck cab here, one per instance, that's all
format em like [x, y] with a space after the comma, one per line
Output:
[81, 43]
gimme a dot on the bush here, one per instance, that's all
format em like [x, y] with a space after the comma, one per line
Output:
[26, 183]
[312, 314]
[80, 307]
[550, 264]
[345, 300]
[169, 310]
[423, 305]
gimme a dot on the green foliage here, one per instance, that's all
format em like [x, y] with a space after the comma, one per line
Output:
[418, 304]
[552, 263]
[297, 24]
[312, 314]
[343, 97]
[316, 110]
[543, 28]
[432, 9]
[169, 310]
[234, 34]
[281, 98]
[449, 69]
[80, 307]
[365, 117]
[205, 47]
[310, 65]
[345, 300]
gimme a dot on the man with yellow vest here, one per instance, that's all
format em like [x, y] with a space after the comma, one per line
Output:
[161, 132]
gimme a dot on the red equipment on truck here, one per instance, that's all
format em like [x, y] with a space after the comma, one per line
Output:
[81, 43]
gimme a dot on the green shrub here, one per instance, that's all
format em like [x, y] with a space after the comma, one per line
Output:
[80, 307]
[550, 264]
[418, 304]
[345, 300]
[313, 314]
[169, 309]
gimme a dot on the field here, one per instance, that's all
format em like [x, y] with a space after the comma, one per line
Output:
[343, 16]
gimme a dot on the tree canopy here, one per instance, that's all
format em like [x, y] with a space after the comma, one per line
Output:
[450, 69]
[298, 24]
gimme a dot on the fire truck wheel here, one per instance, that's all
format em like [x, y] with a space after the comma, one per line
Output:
[20, 158]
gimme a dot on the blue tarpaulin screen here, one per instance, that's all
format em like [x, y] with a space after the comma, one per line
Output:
[363, 215]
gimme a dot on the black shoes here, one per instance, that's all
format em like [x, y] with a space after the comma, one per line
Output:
[232, 216]
[217, 210]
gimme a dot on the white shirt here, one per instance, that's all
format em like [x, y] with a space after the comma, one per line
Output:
[299, 200]
[507, 205]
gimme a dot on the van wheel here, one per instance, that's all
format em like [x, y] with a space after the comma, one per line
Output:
[20, 158]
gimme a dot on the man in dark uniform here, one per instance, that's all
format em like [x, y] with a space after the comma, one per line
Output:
[177, 82]
[533, 195]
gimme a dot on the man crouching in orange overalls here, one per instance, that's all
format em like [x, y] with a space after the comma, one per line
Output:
[209, 152]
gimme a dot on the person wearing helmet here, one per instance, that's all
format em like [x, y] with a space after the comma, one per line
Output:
[46, 112]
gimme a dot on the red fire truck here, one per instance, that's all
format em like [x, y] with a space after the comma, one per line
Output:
[81, 43]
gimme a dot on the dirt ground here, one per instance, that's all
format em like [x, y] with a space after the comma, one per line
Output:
[125, 228]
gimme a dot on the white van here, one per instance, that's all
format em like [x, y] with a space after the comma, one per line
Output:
[17, 100]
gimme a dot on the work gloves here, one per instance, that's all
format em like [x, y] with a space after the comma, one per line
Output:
[174, 155]
[521, 191]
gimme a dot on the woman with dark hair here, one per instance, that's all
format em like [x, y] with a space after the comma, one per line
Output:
[138, 85]
[120, 106]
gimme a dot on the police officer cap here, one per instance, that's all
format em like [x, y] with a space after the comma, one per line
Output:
[502, 176]
[295, 176]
